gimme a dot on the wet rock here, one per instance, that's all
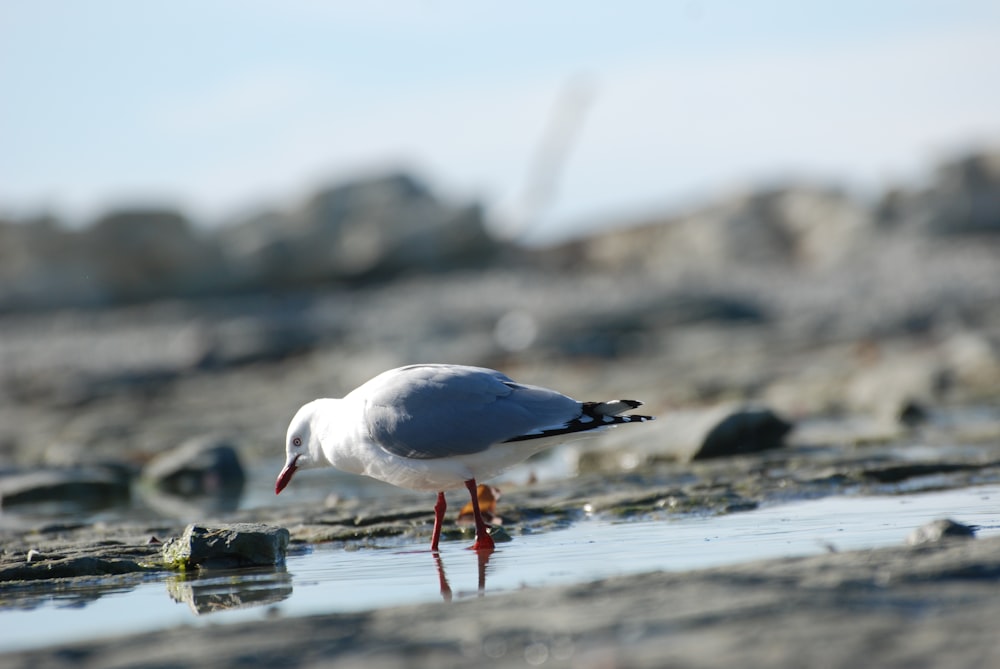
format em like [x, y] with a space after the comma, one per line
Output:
[202, 475]
[66, 488]
[883, 472]
[204, 466]
[227, 546]
[744, 431]
[940, 530]
[636, 503]
[499, 534]
[913, 414]
[63, 552]
[69, 567]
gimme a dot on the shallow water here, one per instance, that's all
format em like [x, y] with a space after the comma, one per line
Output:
[328, 579]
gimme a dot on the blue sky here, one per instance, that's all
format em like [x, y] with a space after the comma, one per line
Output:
[219, 107]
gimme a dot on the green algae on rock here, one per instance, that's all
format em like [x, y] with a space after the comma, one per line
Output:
[226, 546]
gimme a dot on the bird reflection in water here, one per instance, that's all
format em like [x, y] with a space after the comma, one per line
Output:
[486, 496]
[483, 559]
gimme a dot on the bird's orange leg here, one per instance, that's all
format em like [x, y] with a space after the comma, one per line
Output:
[439, 509]
[484, 542]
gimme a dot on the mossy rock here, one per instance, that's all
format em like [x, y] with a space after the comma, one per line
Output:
[226, 546]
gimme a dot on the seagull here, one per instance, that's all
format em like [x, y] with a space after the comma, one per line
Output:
[438, 427]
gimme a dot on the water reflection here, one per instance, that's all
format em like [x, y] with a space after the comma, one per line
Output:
[331, 578]
[212, 591]
[76, 594]
[483, 558]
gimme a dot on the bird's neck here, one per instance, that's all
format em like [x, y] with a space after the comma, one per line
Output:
[336, 423]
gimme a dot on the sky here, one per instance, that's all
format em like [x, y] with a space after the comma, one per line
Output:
[558, 116]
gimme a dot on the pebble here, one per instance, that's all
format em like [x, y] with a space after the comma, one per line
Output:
[940, 530]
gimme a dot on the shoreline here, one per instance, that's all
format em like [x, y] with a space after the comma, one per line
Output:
[898, 606]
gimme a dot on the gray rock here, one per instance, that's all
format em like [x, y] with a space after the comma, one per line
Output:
[66, 488]
[393, 223]
[41, 265]
[744, 431]
[683, 435]
[889, 384]
[940, 530]
[226, 546]
[149, 253]
[70, 567]
[67, 548]
[128, 255]
[963, 198]
[366, 229]
[202, 466]
[793, 226]
[972, 360]
[913, 413]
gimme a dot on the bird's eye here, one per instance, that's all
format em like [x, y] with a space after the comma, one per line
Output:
[296, 441]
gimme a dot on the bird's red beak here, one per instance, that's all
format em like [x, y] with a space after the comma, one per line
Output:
[285, 476]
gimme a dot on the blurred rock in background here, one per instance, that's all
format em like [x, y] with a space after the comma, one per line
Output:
[803, 227]
[964, 198]
[371, 229]
[374, 228]
[145, 329]
[391, 226]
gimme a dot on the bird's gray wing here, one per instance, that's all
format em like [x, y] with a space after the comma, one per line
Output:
[436, 411]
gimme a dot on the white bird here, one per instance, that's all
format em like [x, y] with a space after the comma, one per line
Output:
[438, 427]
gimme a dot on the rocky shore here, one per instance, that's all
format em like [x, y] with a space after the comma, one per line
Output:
[900, 607]
[793, 343]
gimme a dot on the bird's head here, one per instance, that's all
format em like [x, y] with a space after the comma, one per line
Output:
[302, 448]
